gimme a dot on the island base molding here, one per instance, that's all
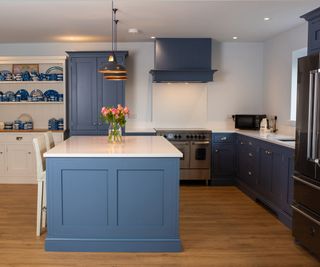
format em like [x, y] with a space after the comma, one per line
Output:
[84, 245]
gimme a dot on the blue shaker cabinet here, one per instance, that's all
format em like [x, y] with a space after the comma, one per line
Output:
[88, 91]
[264, 172]
[223, 159]
[313, 19]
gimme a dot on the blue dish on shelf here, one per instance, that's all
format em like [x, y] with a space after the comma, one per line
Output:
[23, 94]
[36, 95]
[51, 95]
[10, 96]
[55, 70]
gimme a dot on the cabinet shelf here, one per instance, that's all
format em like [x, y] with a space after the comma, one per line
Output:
[31, 82]
[30, 103]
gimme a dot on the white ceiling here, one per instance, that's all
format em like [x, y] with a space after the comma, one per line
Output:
[25, 21]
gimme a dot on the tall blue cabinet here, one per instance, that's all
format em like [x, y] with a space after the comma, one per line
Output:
[88, 91]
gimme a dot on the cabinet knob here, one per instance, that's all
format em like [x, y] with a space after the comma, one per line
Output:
[268, 152]
[250, 154]
[250, 173]
[1, 152]
[29, 152]
[217, 150]
[250, 144]
[223, 138]
[19, 138]
[94, 123]
[312, 231]
[100, 123]
[241, 143]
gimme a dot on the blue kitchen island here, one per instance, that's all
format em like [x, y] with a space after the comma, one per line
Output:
[113, 197]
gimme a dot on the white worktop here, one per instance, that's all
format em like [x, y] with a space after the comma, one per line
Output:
[98, 146]
[264, 136]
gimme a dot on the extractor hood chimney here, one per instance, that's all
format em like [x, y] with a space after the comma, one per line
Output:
[182, 60]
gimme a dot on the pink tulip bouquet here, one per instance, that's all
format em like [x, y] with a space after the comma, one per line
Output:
[116, 118]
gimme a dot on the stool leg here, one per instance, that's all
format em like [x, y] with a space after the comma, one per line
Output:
[39, 208]
[44, 205]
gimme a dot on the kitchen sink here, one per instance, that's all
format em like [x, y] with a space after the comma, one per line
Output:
[287, 140]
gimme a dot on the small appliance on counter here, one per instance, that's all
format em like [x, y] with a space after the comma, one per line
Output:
[269, 124]
[248, 121]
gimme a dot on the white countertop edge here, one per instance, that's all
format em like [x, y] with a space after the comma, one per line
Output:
[114, 156]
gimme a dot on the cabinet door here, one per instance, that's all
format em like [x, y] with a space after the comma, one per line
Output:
[314, 36]
[83, 97]
[20, 160]
[2, 160]
[270, 178]
[110, 93]
[223, 160]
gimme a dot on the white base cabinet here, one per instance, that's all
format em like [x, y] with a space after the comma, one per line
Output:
[17, 160]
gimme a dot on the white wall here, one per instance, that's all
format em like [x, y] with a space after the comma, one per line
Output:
[238, 84]
[277, 73]
[237, 87]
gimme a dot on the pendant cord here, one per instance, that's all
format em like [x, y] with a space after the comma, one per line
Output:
[112, 19]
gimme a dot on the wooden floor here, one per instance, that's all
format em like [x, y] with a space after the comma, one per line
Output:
[220, 226]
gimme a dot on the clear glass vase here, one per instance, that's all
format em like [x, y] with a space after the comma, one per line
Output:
[114, 133]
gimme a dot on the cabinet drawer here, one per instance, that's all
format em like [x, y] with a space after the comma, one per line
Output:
[223, 138]
[16, 138]
[306, 230]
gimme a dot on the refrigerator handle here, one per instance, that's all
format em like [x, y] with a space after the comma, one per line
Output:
[315, 117]
[311, 87]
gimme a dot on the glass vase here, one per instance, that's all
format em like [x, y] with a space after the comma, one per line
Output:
[114, 133]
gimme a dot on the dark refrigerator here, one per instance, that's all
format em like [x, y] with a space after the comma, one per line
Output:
[306, 204]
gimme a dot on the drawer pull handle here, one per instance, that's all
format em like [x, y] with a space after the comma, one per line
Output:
[306, 183]
[305, 215]
[223, 138]
[19, 138]
[250, 154]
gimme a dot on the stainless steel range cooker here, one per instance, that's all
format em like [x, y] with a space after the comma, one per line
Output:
[195, 145]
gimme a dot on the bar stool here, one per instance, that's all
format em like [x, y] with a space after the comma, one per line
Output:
[49, 140]
[40, 148]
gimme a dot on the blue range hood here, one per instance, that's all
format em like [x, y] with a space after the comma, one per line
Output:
[182, 60]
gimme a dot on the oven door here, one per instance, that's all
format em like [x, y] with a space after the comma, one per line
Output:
[200, 155]
[184, 148]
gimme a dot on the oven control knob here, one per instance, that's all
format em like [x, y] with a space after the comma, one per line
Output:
[175, 136]
[165, 136]
[188, 136]
[179, 136]
[196, 136]
[191, 136]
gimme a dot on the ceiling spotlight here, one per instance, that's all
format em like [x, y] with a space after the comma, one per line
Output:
[266, 19]
[153, 37]
[234, 37]
[133, 31]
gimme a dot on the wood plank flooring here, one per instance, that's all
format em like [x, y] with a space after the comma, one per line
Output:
[220, 226]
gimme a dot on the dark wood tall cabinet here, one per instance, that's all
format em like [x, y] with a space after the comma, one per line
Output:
[88, 91]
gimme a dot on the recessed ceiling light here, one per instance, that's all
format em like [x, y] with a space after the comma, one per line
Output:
[133, 31]
[266, 18]
[234, 37]
[153, 37]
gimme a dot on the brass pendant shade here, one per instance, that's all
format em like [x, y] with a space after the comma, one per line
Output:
[111, 69]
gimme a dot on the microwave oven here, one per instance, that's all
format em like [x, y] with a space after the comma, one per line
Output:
[248, 121]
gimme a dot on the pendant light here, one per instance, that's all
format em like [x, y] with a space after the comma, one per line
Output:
[112, 70]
